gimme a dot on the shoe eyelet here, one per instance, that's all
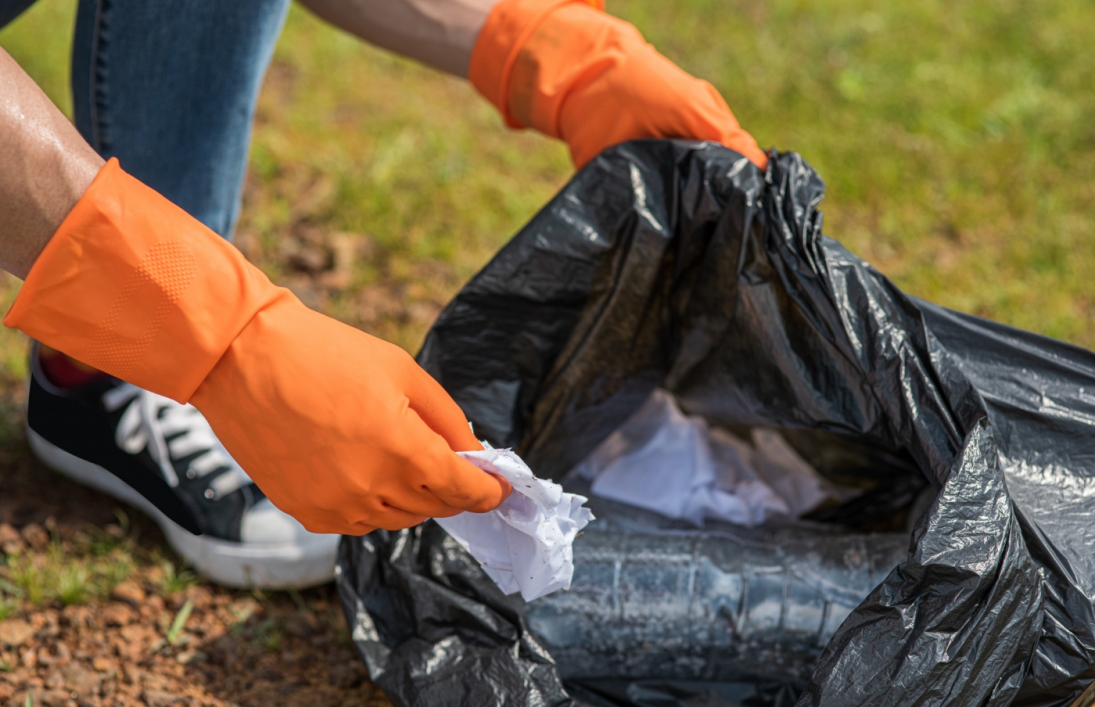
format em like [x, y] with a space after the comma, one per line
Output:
[190, 474]
[209, 493]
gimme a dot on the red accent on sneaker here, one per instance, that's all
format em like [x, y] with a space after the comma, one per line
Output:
[63, 372]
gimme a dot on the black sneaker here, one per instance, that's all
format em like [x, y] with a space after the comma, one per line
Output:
[163, 458]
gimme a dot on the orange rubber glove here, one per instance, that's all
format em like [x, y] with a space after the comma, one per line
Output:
[567, 69]
[341, 430]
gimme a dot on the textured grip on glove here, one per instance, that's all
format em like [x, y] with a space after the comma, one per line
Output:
[157, 309]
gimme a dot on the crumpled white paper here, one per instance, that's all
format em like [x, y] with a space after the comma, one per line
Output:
[678, 466]
[527, 543]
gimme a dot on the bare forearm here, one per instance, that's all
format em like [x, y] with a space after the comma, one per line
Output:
[45, 166]
[439, 33]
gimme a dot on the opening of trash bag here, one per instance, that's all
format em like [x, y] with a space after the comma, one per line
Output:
[810, 488]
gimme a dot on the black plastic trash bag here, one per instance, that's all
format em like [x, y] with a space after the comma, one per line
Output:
[682, 266]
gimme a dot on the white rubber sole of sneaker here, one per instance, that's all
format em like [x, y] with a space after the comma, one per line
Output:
[265, 566]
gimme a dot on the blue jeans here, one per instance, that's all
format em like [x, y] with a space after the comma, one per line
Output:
[169, 88]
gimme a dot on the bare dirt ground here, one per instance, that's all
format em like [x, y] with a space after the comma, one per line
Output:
[96, 611]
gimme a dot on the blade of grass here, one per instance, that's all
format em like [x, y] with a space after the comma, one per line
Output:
[177, 625]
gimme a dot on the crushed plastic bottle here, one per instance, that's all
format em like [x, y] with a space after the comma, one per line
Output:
[654, 601]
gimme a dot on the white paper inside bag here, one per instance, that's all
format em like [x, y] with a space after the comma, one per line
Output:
[676, 465]
[527, 543]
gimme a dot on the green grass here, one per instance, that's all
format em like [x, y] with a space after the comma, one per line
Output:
[409, 165]
[173, 580]
[66, 573]
[174, 632]
[955, 138]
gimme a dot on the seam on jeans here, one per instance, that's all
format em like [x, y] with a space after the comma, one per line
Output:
[95, 80]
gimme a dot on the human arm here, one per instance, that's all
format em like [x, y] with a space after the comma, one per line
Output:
[46, 167]
[339, 429]
[562, 67]
[438, 33]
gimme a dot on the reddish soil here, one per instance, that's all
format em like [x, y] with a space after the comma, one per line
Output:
[236, 648]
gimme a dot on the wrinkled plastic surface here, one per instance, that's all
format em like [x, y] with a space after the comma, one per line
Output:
[683, 266]
[655, 600]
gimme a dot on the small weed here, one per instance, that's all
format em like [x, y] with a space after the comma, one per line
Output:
[175, 580]
[112, 569]
[65, 574]
[29, 577]
[74, 585]
[101, 542]
[179, 623]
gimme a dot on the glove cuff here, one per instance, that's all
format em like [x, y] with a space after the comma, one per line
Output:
[508, 26]
[134, 286]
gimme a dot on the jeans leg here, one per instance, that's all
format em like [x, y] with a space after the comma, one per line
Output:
[10, 9]
[169, 88]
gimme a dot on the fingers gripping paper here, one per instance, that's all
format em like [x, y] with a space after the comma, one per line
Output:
[526, 544]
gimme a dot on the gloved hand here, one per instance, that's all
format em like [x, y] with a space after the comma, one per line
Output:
[567, 69]
[341, 430]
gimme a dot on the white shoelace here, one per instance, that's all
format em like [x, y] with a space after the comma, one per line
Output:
[150, 419]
